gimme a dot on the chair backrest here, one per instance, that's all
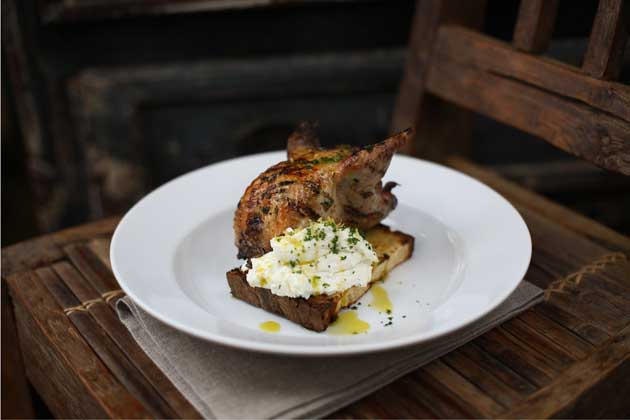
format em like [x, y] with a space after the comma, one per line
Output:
[452, 68]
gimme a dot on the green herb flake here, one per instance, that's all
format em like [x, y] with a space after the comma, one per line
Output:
[334, 245]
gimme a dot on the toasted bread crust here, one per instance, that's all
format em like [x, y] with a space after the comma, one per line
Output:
[318, 312]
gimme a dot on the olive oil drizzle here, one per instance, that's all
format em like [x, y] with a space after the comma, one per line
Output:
[270, 326]
[380, 299]
[348, 323]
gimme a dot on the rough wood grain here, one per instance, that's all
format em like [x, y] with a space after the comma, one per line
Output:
[17, 400]
[110, 323]
[73, 381]
[482, 378]
[458, 385]
[575, 323]
[557, 213]
[563, 337]
[92, 269]
[576, 380]
[592, 135]
[554, 354]
[496, 367]
[517, 357]
[534, 25]
[498, 374]
[441, 401]
[492, 55]
[413, 107]
[608, 39]
[104, 347]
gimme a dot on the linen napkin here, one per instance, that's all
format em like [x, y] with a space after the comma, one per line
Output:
[223, 382]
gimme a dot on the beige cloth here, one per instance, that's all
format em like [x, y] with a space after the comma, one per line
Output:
[222, 382]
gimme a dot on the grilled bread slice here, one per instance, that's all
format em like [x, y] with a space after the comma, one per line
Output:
[318, 312]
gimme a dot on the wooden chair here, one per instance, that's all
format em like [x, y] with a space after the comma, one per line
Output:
[453, 69]
[569, 356]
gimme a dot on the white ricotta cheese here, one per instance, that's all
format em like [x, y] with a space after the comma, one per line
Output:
[323, 258]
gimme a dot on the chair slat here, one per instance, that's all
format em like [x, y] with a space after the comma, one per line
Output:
[534, 25]
[429, 15]
[469, 46]
[572, 127]
[608, 39]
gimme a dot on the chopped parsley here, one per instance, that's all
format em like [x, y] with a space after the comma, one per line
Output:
[334, 245]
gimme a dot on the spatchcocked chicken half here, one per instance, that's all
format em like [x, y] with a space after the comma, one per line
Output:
[342, 184]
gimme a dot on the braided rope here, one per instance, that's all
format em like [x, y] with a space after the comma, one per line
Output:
[574, 279]
[85, 306]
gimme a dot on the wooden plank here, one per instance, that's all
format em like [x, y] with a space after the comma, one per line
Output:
[47, 249]
[576, 380]
[603, 400]
[58, 11]
[518, 357]
[534, 25]
[17, 401]
[92, 269]
[30, 254]
[104, 347]
[560, 215]
[482, 378]
[110, 323]
[587, 133]
[581, 327]
[495, 56]
[440, 400]
[60, 364]
[607, 43]
[569, 341]
[590, 306]
[412, 106]
[100, 248]
[104, 227]
[466, 391]
[554, 355]
[394, 400]
[497, 368]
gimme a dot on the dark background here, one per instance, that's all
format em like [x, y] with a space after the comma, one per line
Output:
[104, 100]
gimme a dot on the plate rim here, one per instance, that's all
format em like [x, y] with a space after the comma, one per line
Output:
[311, 350]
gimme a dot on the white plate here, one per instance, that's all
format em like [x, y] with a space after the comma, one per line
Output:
[171, 251]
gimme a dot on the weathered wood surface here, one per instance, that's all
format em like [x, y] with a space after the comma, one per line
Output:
[596, 136]
[497, 57]
[534, 25]
[451, 65]
[607, 43]
[413, 107]
[561, 358]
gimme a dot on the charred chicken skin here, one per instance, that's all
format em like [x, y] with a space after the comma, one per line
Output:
[343, 184]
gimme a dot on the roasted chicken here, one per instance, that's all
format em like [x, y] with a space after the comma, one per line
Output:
[343, 183]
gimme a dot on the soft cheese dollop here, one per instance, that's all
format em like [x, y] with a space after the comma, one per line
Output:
[323, 258]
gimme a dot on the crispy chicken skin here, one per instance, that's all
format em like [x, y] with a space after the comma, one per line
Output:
[343, 183]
